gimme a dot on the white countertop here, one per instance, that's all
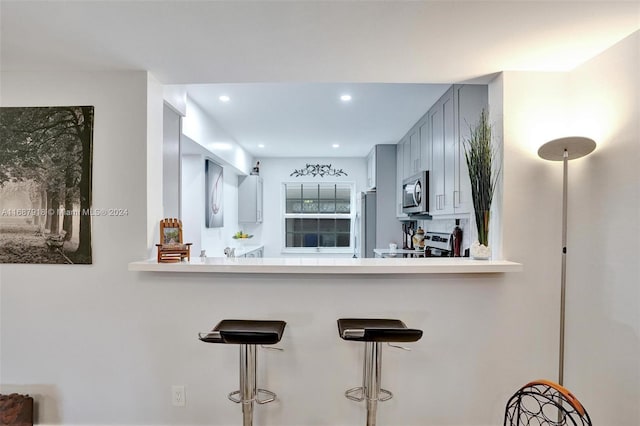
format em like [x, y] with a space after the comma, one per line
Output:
[331, 266]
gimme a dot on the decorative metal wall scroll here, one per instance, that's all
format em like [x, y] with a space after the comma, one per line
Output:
[321, 170]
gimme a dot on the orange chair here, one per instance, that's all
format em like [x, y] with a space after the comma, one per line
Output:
[171, 247]
[545, 403]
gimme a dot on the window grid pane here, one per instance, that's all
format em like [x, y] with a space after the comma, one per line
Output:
[315, 200]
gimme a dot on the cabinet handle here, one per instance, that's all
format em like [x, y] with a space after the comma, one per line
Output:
[456, 198]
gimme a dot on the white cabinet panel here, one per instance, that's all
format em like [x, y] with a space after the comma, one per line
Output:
[250, 199]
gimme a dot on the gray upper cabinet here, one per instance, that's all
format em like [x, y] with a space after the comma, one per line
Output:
[414, 141]
[469, 101]
[400, 148]
[449, 119]
[439, 114]
[436, 143]
[425, 145]
[250, 199]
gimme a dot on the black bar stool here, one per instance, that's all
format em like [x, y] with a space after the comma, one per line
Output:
[373, 332]
[247, 334]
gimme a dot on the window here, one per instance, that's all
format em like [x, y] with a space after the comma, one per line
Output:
[318, 215]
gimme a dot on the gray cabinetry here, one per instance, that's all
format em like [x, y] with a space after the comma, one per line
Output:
[469, 100]
[425, 146]
[381, 166]
[400, 175]
[449, 121]
[385, 170]
[250, 199]
[414, 141]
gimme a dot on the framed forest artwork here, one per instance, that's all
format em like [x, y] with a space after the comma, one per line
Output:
[214, 213]
[45, 184]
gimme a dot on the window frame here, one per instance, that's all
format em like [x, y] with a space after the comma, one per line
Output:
[309, 250]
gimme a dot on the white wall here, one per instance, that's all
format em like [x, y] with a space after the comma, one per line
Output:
[603, 291]
[73, 336]
[171, 163]
[203, 129]
[213, 240]
[100, 345]
[276, 171]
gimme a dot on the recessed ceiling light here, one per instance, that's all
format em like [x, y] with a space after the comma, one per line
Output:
[224, 98]
[260, 145]
[335, 145]
[345, 98]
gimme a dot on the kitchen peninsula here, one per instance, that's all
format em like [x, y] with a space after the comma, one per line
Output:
[331, 266]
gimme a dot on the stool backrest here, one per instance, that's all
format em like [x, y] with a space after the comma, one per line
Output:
[545, 403]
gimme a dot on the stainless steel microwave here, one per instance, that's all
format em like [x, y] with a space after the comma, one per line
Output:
[415, 194]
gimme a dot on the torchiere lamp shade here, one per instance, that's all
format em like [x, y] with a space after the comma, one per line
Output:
[575, 146]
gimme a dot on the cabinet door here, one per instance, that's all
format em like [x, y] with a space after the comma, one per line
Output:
[399, 178]
[436, 175]
[250, 199]
[450, 154]
[441, 131]
[414, 141]
[406, 172]
[470, 100]
[425, 146]
[259, 200]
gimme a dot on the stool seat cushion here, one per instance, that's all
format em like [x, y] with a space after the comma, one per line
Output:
[377, 330]
[246, 332]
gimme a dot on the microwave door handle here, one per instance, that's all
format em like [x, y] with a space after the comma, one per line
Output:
[415, 198]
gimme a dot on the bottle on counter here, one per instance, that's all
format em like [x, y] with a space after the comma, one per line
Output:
[456, 239]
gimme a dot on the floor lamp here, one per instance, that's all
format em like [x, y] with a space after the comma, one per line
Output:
[565, 149]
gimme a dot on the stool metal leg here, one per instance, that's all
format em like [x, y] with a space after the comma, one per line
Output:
[371, 379]
[247, 382]
[249, 392]
[373, 367]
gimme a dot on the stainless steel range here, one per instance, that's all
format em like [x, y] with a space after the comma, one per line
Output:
[437, 244]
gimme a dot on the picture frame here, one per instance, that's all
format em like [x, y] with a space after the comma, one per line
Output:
[214, 195]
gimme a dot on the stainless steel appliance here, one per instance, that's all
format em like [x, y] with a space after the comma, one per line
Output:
[367, 224]
[415, 194]
[437, 244]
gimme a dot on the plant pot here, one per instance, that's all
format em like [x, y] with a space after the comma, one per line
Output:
[480, 251]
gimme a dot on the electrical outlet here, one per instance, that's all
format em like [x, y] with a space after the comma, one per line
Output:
[178, 395]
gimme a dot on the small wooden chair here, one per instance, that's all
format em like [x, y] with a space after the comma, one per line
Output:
[171, 247]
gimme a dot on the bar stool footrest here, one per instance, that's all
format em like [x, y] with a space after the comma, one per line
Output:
[232, 399]
[350, 394]
[388, 396]
[272, 397]
[385, 395]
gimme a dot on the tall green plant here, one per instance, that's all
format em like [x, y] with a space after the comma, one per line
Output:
[480, 156]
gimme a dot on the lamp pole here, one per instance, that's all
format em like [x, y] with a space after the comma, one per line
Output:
[565, 149]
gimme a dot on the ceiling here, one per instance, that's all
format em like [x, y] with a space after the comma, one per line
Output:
[307, 119]
[223, 42]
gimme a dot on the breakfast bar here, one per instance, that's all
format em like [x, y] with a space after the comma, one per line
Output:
[331, 266]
